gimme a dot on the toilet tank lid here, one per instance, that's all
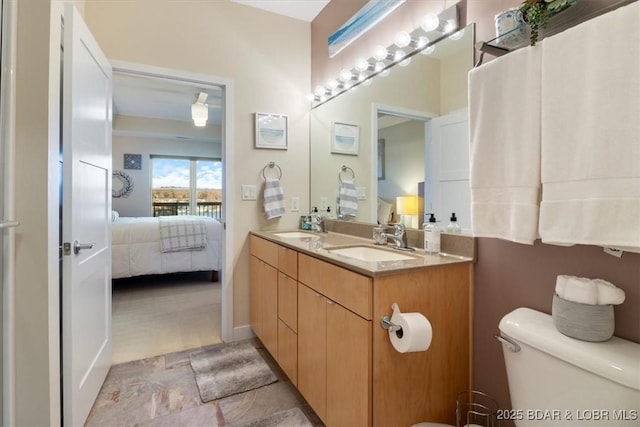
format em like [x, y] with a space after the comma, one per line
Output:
[616, 359]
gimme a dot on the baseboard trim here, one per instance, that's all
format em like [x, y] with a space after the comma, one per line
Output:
[242, 333]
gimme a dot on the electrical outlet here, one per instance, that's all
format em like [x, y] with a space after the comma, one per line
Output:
[249, 192]
[323, 204]
[295, 204]
[362, 193]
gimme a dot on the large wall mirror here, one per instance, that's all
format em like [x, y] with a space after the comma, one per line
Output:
[412, 151]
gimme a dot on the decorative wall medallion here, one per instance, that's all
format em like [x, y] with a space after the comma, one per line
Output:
[122, 185]
[133, 161]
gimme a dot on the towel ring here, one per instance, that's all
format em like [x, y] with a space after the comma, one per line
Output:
[345, 168]
[271, 165]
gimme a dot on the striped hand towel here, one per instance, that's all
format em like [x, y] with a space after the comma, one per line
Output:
[273, 198]
[348, 198]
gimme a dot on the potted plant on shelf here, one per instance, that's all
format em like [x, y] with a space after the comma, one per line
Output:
[536, 13]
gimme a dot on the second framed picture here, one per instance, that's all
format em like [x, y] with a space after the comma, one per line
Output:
[345, 138]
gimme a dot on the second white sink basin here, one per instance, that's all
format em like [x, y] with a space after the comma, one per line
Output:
[370, 254]
[295, 235]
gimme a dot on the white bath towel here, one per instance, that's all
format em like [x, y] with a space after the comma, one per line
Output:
[504, 126]
[588, 291]
[591, 133]
[273, 198]
[348, 198]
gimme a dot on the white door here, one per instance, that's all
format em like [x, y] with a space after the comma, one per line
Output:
[447, 171]
[86, 288]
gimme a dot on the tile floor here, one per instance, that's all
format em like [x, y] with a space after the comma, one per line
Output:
[161, 391]
[151, 382]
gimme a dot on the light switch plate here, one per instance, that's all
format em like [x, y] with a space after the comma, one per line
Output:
[323, 204]
[362, 193]
[249, 192]
[295, 204]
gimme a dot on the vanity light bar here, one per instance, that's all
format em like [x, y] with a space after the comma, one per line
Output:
[432, 29]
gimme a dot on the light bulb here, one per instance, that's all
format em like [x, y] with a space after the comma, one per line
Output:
[332, 84]
[429, 50]
[379, 66]
[362, 77]
[318, 91]
[385, 73]
[380, 53]
[362, 64]
[422, 42]
[449, 26]
[398, 55]
[345, 75]
[402, 39]
[366, 82]
[405, 62]
[430, 22]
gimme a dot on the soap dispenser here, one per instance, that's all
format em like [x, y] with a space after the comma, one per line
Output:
[431, 236]
[453, 226]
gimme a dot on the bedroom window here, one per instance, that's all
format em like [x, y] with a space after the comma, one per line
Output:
[186, 186]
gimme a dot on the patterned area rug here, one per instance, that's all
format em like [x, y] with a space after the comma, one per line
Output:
[291, 418]
[230, 369]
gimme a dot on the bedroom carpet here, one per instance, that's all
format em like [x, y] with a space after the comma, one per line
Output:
[230, 369]
[161, 391]
[154, 315]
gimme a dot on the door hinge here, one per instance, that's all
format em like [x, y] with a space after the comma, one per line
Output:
[66, 248]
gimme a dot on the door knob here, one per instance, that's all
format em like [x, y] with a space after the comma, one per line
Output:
[77, 246]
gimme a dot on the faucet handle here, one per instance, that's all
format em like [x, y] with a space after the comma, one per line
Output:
[399, 229]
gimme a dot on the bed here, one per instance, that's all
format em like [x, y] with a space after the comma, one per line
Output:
[143, 245]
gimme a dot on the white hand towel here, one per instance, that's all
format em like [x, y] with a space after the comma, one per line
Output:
[504, 126]
[577, 289]
[608, 293]
[591, 133]
[273, 198]
[348, 198]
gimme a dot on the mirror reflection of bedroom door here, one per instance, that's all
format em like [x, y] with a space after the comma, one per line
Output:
[86, 285]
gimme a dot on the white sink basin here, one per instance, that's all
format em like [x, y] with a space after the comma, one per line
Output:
[295, 235]
[370, 254]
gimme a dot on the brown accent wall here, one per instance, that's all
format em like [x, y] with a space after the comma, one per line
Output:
[507, 275]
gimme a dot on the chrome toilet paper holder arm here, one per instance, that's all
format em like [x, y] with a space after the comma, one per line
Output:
[387, 324]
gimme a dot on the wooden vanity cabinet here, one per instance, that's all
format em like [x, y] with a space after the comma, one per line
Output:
[273, 301]
[334, 344]
[320, 321]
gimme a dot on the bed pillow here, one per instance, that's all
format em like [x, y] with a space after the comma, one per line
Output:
[385, 211]
[114, 216]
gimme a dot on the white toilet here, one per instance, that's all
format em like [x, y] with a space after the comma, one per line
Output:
[555, 380]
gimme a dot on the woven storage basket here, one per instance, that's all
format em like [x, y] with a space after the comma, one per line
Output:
[583, 321]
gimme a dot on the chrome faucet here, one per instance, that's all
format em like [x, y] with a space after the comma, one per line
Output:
[399, 237]
[317, 222]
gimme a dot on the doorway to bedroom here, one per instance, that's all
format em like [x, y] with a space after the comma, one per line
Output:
[167, 166]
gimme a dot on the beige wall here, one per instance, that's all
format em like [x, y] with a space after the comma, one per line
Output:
[507, 275]
[268, 58]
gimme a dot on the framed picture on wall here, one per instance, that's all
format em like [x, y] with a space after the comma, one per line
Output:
[271, 131]
[345, 138]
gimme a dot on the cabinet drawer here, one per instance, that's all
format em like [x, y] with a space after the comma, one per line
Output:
[264, 249]
[288, 261]
[351, 290]
[288, 300]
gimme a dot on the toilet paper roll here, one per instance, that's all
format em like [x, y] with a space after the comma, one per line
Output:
[415, 334]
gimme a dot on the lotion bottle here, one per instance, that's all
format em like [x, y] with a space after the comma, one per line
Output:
[431, 236]
[453, 226]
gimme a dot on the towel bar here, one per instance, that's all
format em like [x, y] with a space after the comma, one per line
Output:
[271, 165]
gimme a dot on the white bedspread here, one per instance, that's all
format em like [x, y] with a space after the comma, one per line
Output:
[135, 249]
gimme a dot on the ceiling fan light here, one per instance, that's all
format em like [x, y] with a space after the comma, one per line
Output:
[199, 114]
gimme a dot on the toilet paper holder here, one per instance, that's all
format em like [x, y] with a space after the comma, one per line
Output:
[387, 324]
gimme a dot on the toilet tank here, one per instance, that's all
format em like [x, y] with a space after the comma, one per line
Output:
[555, 380]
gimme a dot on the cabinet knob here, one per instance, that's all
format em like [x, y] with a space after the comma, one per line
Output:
[330, 302]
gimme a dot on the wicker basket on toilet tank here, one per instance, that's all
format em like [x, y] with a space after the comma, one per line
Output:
[585, 322]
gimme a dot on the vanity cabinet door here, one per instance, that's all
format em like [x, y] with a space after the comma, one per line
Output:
[348, 367]
[288, 351]
[312, 349]
[263, 286]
